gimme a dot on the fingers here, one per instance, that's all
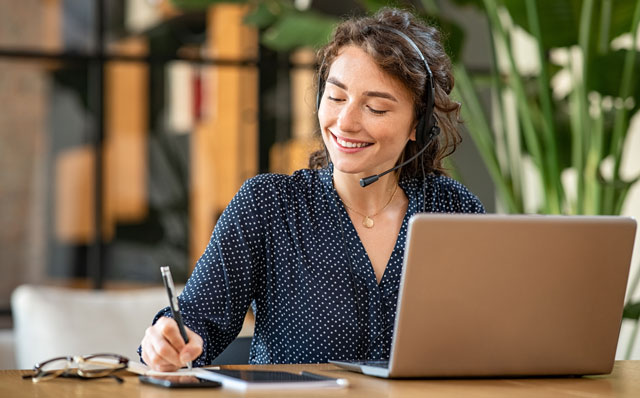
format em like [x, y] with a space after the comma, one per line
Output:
[169, 330]
[193, 349]
[164, 349]
[155, 360]
[157, 352]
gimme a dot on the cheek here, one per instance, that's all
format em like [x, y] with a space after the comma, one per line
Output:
[324, 115]
[321, 116]
[394, 131]
[323, 123]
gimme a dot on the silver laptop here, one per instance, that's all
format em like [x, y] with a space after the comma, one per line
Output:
[495, 295]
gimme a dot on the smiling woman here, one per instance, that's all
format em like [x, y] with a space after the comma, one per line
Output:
[366, 116]
[317, 255]
[409, 56]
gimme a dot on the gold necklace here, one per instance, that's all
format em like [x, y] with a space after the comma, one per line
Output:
[367, 221]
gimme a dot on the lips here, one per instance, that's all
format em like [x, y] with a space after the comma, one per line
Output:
[350, 144]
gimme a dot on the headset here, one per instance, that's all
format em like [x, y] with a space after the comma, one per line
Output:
[426, 129]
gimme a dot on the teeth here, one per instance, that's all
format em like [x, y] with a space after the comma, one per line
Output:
[348, 144]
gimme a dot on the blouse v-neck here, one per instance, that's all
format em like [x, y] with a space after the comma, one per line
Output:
[358, 253]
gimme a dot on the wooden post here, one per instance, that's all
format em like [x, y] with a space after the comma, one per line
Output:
[224, 145]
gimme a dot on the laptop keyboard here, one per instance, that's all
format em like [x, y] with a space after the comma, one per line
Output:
[371, 362]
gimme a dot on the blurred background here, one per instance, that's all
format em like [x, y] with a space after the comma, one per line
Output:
[126, 126]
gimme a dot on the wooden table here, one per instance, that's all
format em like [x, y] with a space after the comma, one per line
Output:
[623, 382]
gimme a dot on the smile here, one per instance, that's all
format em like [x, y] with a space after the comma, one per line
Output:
[351, 144]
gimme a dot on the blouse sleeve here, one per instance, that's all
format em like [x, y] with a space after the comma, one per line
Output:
[449, 196]
[217, 296]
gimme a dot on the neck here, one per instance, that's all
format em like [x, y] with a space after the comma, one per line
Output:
[367, 200]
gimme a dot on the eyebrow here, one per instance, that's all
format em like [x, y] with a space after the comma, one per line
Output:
[379, 94]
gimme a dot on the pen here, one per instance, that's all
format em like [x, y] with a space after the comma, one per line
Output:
[173, 304]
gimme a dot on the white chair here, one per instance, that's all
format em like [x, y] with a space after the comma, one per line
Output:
[54, 321]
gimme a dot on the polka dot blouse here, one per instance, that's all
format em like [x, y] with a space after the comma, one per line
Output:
[286, 246]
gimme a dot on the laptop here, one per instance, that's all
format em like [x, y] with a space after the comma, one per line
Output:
[498, 295]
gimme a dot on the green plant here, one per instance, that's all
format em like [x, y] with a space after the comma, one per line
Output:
[581, 131]
[578, 131]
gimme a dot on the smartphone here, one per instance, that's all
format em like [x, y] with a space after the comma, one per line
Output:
[179, 382]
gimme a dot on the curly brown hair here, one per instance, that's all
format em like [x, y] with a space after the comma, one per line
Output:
[393, 54]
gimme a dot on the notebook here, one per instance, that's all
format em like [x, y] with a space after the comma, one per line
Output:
[497, 295]
[240, 379]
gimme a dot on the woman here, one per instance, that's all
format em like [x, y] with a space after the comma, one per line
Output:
[317, 255]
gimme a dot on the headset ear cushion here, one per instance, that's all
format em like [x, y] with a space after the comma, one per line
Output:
[421, 132]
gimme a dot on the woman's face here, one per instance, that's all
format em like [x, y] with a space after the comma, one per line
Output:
[366, 115]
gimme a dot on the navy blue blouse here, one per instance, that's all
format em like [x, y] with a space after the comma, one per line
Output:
[286, 246]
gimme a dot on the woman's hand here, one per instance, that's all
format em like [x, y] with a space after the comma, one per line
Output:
[164, 349]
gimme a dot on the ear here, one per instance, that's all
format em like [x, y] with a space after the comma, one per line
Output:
[412, 135]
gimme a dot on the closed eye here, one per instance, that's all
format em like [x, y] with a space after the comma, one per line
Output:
[335, 99]
[376, 111]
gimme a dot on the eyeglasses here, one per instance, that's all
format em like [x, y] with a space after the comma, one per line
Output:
[86, 367]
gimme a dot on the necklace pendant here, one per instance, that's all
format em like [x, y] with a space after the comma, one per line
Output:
[367, 222]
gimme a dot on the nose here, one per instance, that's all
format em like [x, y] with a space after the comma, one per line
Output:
[349, 117]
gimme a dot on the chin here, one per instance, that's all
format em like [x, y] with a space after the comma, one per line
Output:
[347, 168]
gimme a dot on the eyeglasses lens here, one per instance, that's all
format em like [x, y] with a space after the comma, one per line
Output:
[100, 365]
[52, 368]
